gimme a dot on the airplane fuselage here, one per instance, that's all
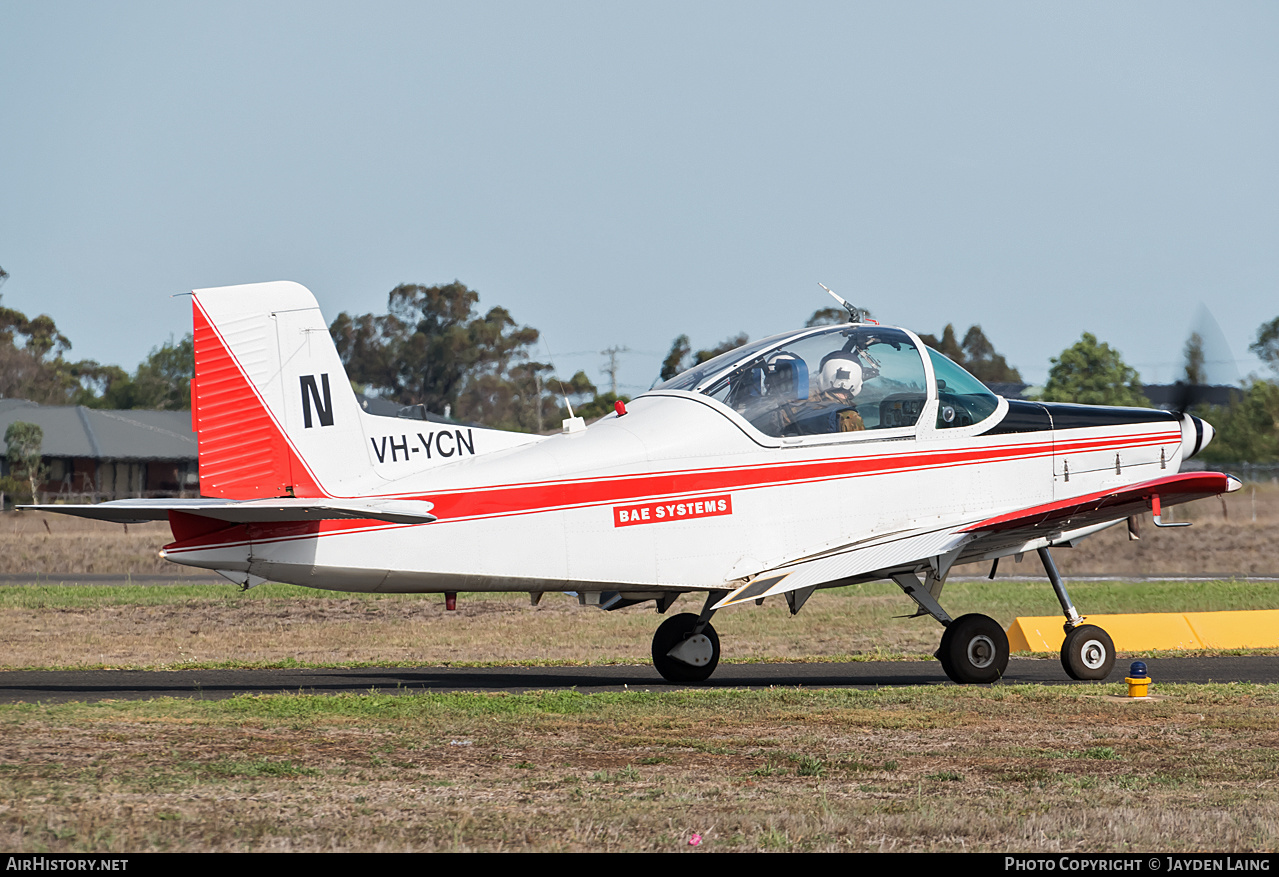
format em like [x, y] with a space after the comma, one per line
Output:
[682, 493]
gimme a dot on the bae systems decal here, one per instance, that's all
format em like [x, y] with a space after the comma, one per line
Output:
[660, 512]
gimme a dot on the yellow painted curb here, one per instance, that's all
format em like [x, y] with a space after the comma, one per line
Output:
[1157, 630]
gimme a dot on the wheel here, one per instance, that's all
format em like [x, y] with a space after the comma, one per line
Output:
[943, 651]
[974, 649]
[1088, 653]
[695, 657]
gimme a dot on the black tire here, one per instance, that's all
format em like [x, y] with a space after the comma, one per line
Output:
[943, 651]
[1088, 653]
[974, 650]
[670, 634]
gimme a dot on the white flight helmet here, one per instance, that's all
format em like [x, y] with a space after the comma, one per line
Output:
[841, 374]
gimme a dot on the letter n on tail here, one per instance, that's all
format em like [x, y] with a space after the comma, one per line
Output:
[323, 408]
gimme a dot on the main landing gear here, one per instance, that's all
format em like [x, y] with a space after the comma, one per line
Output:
[686, 647]
[974, 648]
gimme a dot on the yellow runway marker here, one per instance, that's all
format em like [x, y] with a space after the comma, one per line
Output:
[1157, 630]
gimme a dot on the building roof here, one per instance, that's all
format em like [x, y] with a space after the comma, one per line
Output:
[76, 431]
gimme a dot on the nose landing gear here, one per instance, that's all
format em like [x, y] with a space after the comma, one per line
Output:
[1087, 653]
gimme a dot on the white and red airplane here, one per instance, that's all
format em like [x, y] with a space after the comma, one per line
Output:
[812, 459]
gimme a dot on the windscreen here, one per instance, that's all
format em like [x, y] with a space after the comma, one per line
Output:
[962, 399]
[847, 379]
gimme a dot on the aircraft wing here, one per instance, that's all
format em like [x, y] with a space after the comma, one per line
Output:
[982, 538]
[249, 511]
[1108, 505]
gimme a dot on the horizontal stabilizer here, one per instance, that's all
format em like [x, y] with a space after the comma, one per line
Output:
[249, 511]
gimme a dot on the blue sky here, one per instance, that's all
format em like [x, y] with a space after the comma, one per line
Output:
[618, 174]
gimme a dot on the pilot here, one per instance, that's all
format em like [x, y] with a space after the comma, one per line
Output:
[839, 384]
[829, 406]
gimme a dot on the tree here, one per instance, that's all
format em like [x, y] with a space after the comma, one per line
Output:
[723, 347]
[678, 359]
[1195, 373]
[829, 317]
[432, 348]
[1267, 344]
[1092, 373]
[31, 362]
[674, 362]
[521, 399]
[588, 402]
[833, 316]
[1248, 430]
[22, 441]
[976, 354]
[947, 346]
[161, 382]
[981, 359]
[33, 365]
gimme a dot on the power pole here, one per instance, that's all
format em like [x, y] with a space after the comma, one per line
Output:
[611, 368]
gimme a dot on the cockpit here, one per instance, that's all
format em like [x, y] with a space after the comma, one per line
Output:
[840, 379]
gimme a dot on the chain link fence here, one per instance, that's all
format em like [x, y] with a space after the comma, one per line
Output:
[1253, 472]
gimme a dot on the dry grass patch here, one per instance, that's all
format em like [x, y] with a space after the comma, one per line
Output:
[1232, 535]
[1005, 768]
[52, 545]
[217, 625]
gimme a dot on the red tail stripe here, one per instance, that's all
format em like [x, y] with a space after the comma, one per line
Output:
[243, 452]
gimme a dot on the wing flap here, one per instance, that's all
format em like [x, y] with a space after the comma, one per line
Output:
[853, 561]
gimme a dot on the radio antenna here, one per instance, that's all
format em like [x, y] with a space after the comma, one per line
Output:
[572, 423]
[854, 315]
[556, 372]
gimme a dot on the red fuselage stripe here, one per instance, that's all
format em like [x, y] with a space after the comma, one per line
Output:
[517, 499]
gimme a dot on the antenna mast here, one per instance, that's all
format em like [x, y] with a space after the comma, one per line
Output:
[854, 315]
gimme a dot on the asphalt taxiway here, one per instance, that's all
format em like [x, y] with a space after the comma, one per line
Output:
[56, 686]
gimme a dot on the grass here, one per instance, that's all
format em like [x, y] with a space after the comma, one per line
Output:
[940, 768]
[219, 626]
[1011, 768]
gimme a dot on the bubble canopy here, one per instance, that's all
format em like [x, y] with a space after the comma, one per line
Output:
[838, 379]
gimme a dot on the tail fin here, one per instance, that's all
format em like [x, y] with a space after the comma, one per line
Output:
[275, 413]
[271, 399]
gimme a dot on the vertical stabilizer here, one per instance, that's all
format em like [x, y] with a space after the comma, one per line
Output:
[275, 413]
[273, 409]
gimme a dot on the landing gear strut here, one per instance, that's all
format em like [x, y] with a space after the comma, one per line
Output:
[1088, 652]
[686, 647]
[974, 648]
